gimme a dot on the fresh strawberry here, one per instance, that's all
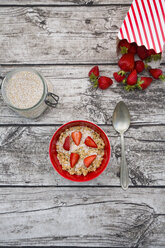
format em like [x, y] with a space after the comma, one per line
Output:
[132, 48]
[124, 46]
[89, 160]
[126, 62]
[157, 74]
[74, 157]
[152, 55]
[142, 52]
[132, 78]
[151, 52]
[104, 82]
[76, 136]
[90, 142]
[95, 71]
[139, 66]
[144, 82]
[94, 74]
[119, 76]
[66, 144]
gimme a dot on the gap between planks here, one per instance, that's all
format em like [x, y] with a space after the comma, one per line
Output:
[83, 186]
[136, 125]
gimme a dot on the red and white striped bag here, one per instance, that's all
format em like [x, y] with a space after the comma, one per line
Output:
[145, 24]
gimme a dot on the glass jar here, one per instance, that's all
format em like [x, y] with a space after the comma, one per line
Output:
[46, 98]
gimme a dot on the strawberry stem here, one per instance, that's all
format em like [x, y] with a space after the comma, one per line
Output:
[122, 73]
[124, 81]
[147, 67]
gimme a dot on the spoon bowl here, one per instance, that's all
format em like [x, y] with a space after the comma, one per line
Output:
[121, 122]
[121, 117]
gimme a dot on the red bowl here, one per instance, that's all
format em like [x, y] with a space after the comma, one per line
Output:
[53, 153]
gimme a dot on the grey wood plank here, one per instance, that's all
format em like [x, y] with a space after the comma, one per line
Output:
[97, 217]
[25, 159]
[79, 100]
[40, 35]
[63, 2]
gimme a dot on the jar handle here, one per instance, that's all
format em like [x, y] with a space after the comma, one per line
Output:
[1, 79]
[55, 99]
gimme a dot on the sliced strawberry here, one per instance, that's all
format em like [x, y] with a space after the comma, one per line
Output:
[119, 76]
[88, 160]
[126, 62]
[133, 48]
[66, 144]
[76, 136]
[139, 66]
[132, 78]
[90, 142]
[144, 82]
[124, 46]
[104, 82]
[74, 157]
[142, 52]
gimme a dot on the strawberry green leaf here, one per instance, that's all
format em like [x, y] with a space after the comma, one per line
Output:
[92, 77]
[95, 85]
[124, 50]
[162, 77]
[130, 87]
[156, 57]
[149, 59]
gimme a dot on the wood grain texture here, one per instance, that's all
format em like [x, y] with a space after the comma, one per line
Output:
[96, 217]
[64, 2]
[46, 35]
[25, 159]
[79, 101]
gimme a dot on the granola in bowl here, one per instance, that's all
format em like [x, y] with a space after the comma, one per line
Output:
[80, 150]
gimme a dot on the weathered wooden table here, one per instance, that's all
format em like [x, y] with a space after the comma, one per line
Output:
[63, 39]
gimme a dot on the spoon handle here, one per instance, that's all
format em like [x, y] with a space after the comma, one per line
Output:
[124, 178]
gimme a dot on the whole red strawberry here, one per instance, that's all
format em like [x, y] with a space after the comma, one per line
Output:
[124, 46]
[104, 82]
[144, 82]
[126, 62]
[132, 78]
[132, 48]
[152, 55]
[94, 71]
[93, 75]
[139, 66]
[142, 52]
[119, 76]
[151, 52]
[157, 74]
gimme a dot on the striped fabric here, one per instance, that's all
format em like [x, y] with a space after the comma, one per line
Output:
[145, 24]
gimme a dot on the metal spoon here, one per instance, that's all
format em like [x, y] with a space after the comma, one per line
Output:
[121, 122]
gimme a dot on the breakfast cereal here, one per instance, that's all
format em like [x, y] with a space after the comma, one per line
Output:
[80, 150]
